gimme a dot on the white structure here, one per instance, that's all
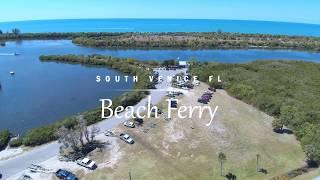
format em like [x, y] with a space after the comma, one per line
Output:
[183, 64]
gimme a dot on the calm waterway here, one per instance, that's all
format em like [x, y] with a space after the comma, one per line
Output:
[41, 93]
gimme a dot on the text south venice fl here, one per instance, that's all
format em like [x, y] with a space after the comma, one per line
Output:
[112, 79]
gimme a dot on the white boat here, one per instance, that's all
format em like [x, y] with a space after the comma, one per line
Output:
[12, 73]
[10, 54]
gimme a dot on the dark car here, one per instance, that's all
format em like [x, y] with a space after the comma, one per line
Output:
[209, 93]
[204, 101]
[174, 104]
[64, 174]
[212, 89]
[206, 96]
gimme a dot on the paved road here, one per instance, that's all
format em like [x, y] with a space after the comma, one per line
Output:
[39, 154]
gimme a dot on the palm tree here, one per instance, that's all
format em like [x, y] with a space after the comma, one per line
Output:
[222, 158]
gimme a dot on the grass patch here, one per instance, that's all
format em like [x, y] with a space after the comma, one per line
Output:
[187, 149]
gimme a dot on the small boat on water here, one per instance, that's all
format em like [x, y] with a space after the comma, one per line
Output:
[10, 54]
[12, 73]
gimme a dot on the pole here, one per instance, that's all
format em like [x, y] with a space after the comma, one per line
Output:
[221, 168]
[258, 156]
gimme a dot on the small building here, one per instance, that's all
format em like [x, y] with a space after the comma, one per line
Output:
[183, 64]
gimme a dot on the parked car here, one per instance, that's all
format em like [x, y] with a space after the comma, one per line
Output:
[178, 93]
[174, 103]
[109, 133]
[64, 174]
[87, 163]
[126, 138]
[208, 92]
[206, 97]
[174, 93]
[138, 121]
[129, 124]
[212, 89]
[154, 111]
[200, 100]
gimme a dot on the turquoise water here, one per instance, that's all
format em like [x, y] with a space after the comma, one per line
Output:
[163, 25]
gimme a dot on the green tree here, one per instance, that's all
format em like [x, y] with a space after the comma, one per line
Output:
[39, 136]
[311, 146]
[4, 139]
[169, 62]
[277, 125]
[1, 31]
[16, 31]
[312, 153]
[287, 114]
[15, 142]
[222, 158]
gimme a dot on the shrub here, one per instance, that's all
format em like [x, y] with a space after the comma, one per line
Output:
[40, 136]
[4, 139]
[15, 142]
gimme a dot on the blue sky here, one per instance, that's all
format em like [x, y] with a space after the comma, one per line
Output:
[270, 10]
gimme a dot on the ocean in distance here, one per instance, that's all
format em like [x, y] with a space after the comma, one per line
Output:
[162, 25]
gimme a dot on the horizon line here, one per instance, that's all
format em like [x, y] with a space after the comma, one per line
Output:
[254, 20]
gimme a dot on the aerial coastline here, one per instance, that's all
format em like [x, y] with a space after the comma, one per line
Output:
[278, 89]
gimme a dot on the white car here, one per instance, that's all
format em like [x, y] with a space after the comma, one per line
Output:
[87, 163]
[129, 124]
[126, 137]
[109, 133]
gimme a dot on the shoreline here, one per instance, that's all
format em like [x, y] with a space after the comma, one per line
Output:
[38, 154]
[44, 134]
[176, 40]
[168, 48]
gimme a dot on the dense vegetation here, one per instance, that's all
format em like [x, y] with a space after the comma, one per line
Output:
[287, 90]
[4, 139]
[209, 40]
[129, 66]
[15, 142]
